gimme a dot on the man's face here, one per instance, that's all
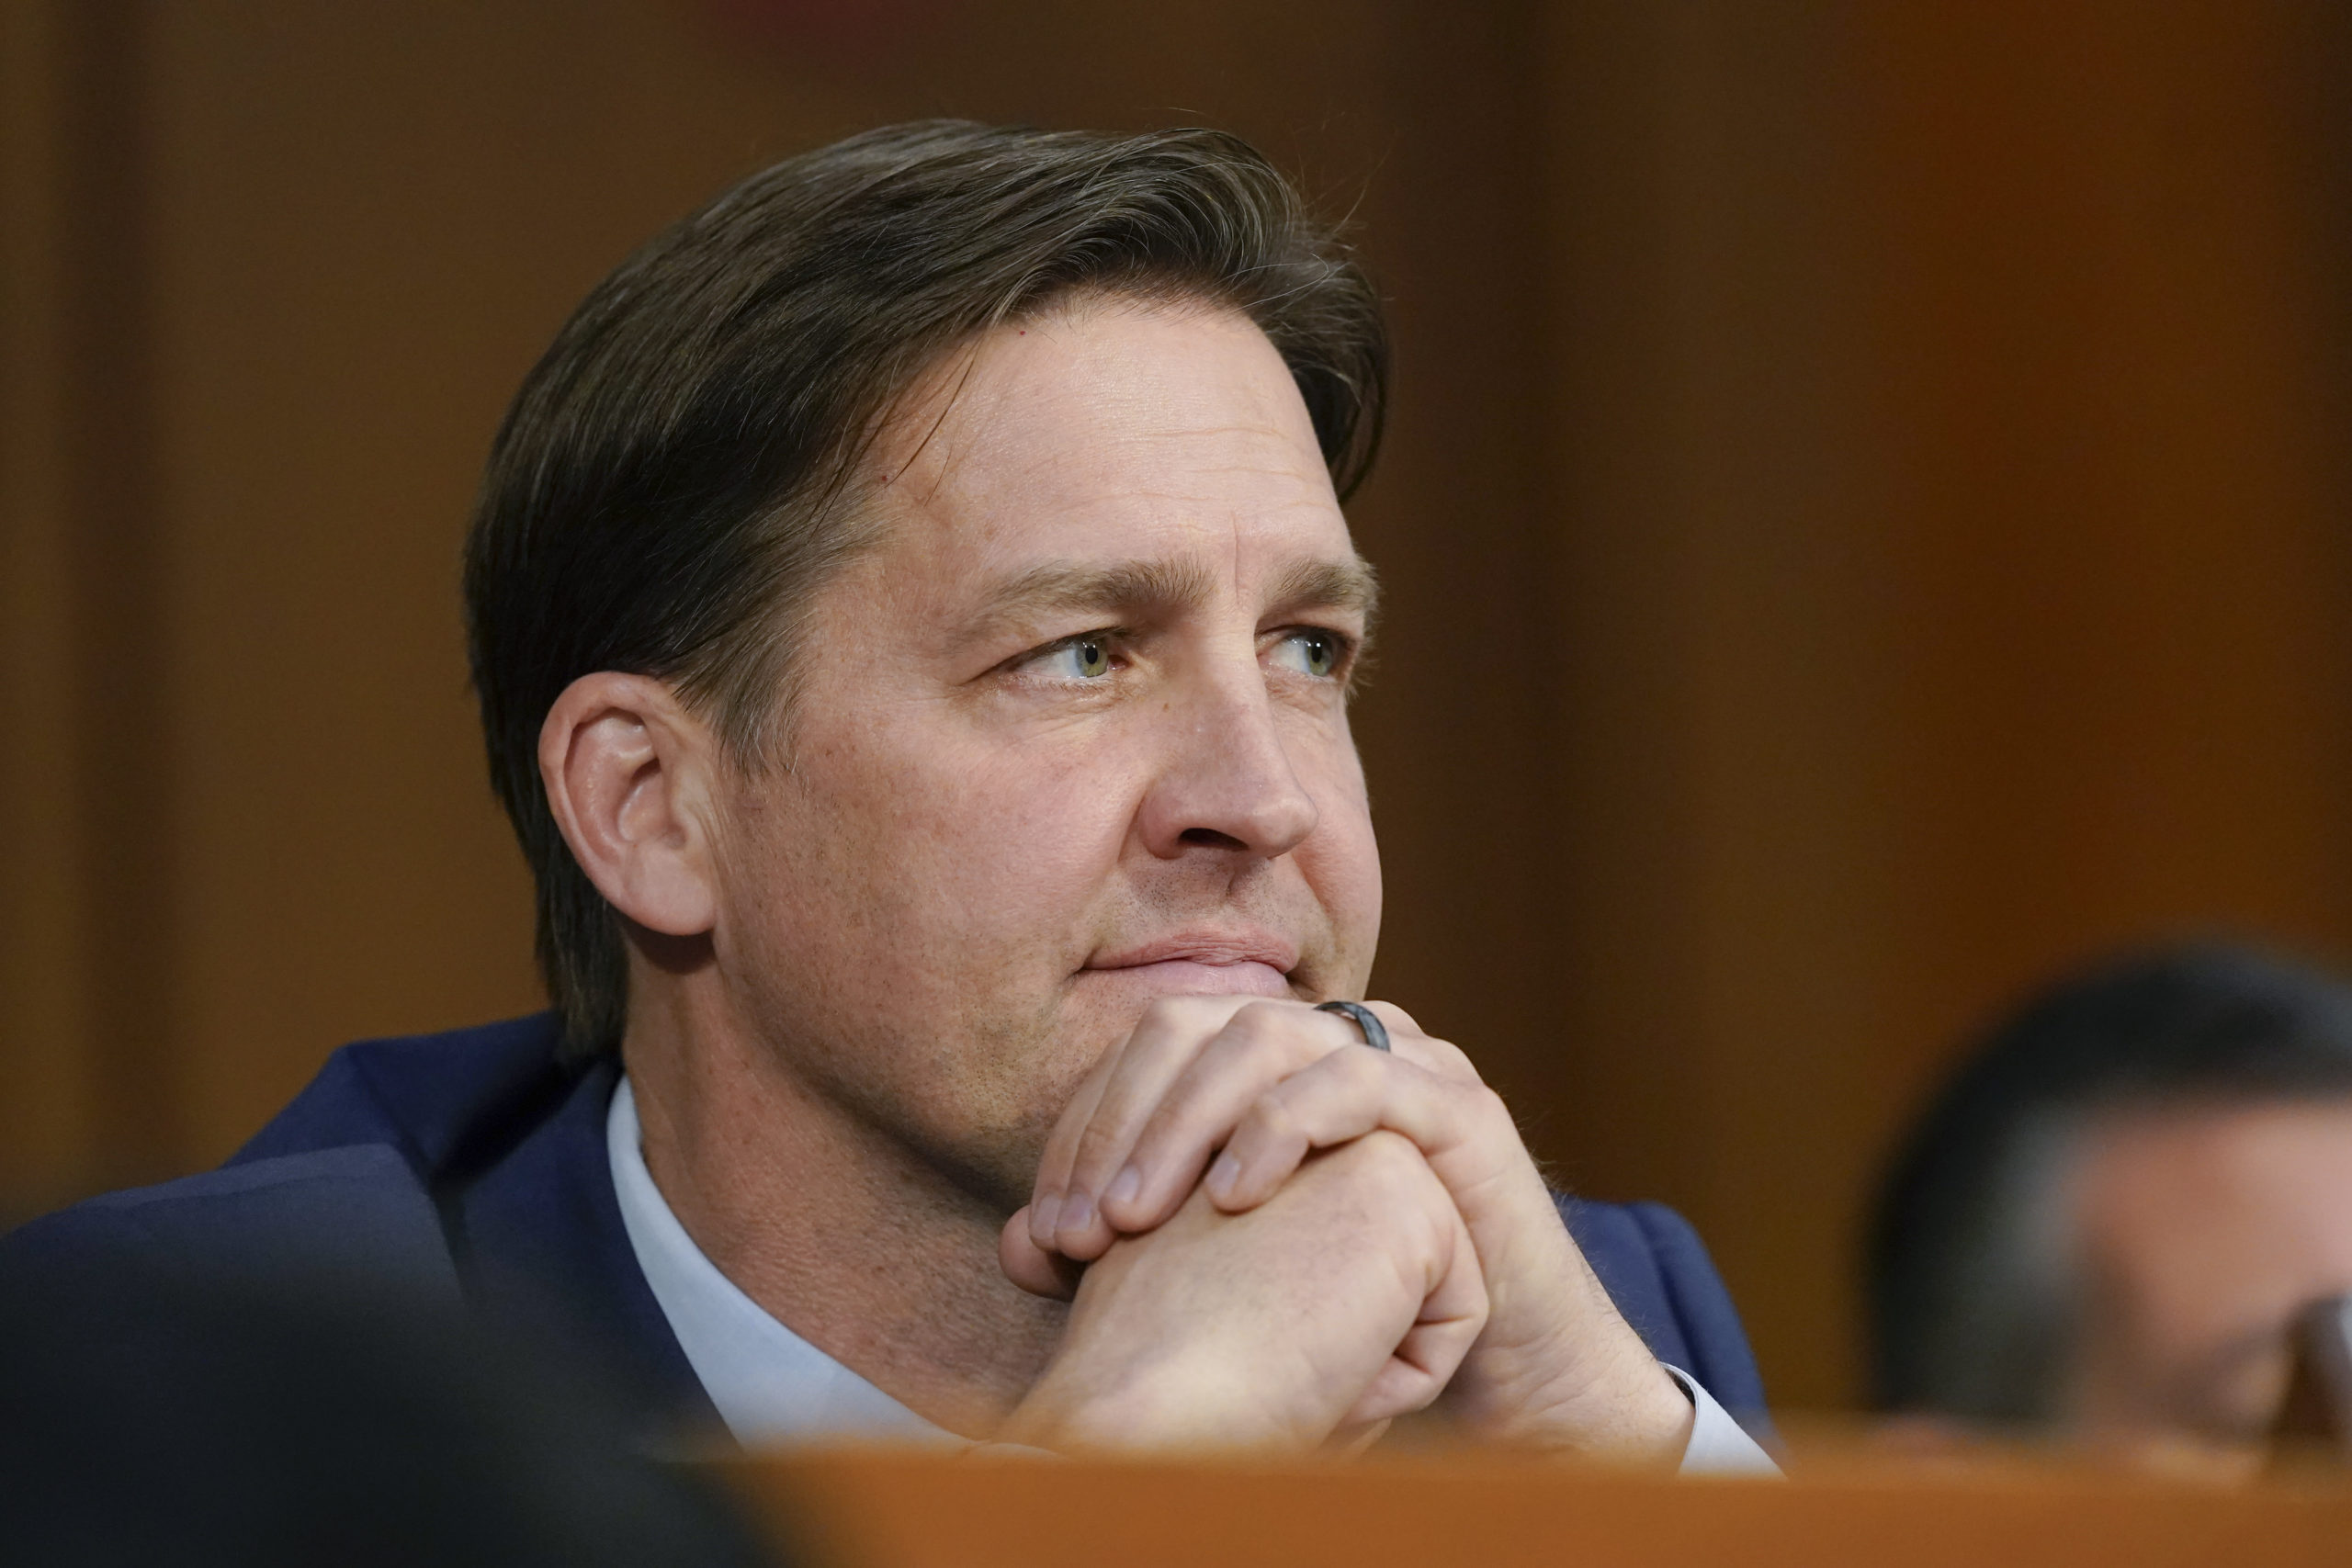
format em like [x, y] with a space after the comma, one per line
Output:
[2203, 1233]
[1072, 736]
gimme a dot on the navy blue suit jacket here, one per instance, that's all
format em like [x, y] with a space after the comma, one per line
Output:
[472, 1166]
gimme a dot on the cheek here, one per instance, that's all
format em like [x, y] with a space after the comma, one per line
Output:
[907, 853]
[1341, 860]
[1341, 865]
[1025, 841]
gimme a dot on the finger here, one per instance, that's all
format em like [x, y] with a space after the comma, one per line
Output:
[1044, 1209]
[1200, 1112]
[1451, 1318]
[1030, 1267]
[1258, 1048]
[1408, 1039]
[1090, 1143]
[1395, 1017]
[1334, 1101]
[1465, 1133]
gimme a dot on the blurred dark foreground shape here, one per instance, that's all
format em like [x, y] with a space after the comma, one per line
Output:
[161, 1421]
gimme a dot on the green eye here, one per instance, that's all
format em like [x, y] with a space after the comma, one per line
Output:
[1310, 653]
[1080, 659]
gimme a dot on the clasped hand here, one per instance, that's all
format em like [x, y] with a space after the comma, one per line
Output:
[1274, 1236]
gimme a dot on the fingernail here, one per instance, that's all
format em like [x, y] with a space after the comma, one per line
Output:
[1223, 1175]
[1125, 1186]
[1044, 1215]
[1078, 1213]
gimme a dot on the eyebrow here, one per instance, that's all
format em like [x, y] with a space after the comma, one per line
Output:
[1348, 585]
[1141, 590]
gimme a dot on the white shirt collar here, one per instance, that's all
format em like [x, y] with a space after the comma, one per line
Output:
[770, 1385]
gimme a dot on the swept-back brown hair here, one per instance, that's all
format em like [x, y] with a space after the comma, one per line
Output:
[674, 478]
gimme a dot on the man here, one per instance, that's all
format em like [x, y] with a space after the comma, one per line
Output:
[913, 621]
[2107, 1223]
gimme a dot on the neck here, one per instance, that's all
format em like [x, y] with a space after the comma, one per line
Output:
[840, 1233]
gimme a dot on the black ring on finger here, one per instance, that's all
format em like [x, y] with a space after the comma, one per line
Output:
[1375, 1034]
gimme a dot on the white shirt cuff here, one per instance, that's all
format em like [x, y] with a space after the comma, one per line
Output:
[1718, 1446]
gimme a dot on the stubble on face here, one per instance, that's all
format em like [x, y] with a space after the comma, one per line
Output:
[912, 903]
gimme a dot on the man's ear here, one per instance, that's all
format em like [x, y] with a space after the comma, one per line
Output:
[629, 774]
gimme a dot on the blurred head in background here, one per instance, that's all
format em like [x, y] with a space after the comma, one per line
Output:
[2108, 1222]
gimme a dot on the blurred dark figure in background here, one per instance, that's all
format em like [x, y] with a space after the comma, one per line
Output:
[2105, 1225]
[151, 1419]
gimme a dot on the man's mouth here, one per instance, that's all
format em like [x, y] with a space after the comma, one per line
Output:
[1211, 962]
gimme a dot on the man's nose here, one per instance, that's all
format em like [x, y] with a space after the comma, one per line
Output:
[1229, 783]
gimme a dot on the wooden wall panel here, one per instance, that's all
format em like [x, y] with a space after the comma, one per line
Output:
[1726, 951]
[370, 219]
[48, 1113]
[2110, 423]
[1954, 584]
[1860, 525]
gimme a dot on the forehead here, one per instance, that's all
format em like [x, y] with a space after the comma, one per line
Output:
[1109, 430]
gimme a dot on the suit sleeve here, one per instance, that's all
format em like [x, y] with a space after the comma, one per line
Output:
[351, 1215]
[1702, 1305]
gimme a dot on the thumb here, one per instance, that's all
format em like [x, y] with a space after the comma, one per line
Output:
[1030, 1267]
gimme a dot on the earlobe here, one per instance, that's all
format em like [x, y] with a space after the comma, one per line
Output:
[627, 769]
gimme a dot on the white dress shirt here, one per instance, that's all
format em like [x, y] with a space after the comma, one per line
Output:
[770, 1385]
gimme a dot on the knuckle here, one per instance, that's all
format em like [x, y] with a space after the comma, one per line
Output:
[1348, 1076]
[1267, 1034]
[1165, 1015]
[1360, 1068]
[1442, 1057]
[1390, 1158]
[1257, 1022]
[1488, 1106]
[1095, 1147]
[1268, 1116]
[1452, 1058]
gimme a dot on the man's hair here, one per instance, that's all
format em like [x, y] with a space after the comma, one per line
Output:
[1974, 1308]
[675, 477]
